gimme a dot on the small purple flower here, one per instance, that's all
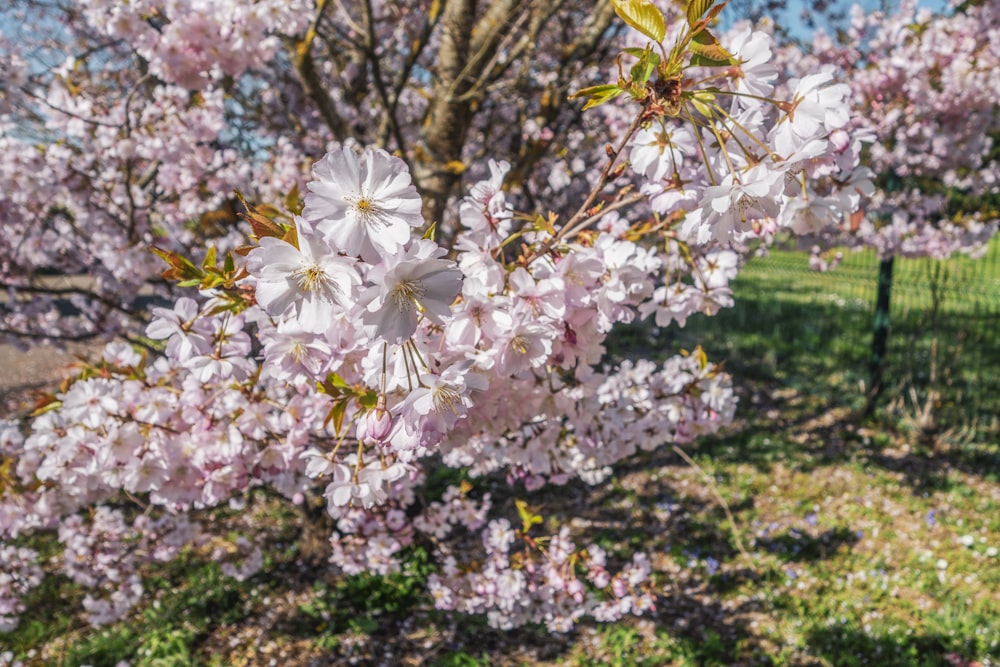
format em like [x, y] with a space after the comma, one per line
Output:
[931, 517]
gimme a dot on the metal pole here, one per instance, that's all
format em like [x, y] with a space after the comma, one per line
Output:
[880, 339]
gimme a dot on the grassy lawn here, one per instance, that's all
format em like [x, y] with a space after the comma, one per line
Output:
[813, 332]
[867, 541]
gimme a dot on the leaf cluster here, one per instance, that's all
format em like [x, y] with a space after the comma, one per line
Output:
[696, 46]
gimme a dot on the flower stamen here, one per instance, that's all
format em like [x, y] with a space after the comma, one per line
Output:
[368, 211]
[446, 396]
[404, 295]
[742, 204]
[312, 278]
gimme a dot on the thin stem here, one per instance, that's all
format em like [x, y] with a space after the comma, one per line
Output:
[753, 137]
[722, 147]
[336, 447]
[772, 102]
[390, 122]
[357, 464]
[385, 365]
[406, 364]
[583, 211]
[621, 203]
[419, 356]
[718, 496]
[701, 146]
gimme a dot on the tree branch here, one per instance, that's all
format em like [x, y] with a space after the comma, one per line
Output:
[306, 69]
[447, 120]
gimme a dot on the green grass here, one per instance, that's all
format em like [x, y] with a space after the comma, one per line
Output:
[812, 332]
[189, 600]
[868, 541]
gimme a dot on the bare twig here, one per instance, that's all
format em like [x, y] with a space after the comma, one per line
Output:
[722, 501]
[311, 83]
[584, 213]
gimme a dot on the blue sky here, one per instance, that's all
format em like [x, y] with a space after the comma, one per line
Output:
[790, 16]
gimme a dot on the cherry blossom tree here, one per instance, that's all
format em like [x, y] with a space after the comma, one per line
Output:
[428, 251]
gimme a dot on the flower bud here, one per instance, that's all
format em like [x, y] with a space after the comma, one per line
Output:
[840, 140]
[375, 426]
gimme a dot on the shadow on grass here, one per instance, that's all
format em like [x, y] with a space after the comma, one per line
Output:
[852, 647]
[187, 610]
[813, 332]
[929, 471]
[795, 546]
[799, 354]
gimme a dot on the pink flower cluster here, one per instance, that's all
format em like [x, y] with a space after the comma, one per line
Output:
[123, 176]
[545, 581]
[100, 558]
[368, 541]
[754, 164]
[19, 573]
[450, 354]
[195, 43]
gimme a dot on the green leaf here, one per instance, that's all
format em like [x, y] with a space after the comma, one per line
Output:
[599, 94]
[334, 386]
[260, 224]
[429, 234]
[368, 400]
[336, 415]
[702, 61]
[210, 258]
[293, 200]
[698, 24]
[180, 267]
[337, 381]
[709, 52]
[210, 281]
[528, 518]
[643, 70]
[716, 10]
[696, 9]
[702, 358]
[703, 100]
[642, 15]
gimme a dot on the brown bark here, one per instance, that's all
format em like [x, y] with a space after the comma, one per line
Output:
[447, 120]
[467, 65]
[311, 82]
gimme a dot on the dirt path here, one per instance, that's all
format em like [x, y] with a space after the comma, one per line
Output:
[40, 368]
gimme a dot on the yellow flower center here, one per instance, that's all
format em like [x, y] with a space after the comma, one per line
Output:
[368, 211]
[312, 278]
